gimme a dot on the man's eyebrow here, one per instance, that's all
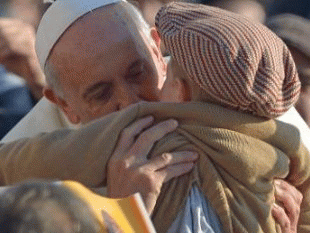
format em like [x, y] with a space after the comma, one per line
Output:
[98, 85]
[93, 88]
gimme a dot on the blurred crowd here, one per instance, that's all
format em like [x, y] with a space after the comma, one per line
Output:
[20, 75]
[22, 81]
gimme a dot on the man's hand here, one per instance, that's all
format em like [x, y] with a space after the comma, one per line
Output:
[287, 214]
[17, 53]
[129, 170]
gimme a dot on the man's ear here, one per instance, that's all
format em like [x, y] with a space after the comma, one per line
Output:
[156, 37]
[62, 104]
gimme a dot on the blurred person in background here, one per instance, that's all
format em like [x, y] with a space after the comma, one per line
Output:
[39, 206]
[297, 7]
[149, 8]
[68, 207]
[295, 31]
[29, 11]
[21, 78]
[252, 9]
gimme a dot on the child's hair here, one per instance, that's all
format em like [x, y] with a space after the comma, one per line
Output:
[237, 63]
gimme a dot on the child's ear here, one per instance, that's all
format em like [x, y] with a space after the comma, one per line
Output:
[156, 37]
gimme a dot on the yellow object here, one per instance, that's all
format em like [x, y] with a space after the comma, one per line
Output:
[127, 214]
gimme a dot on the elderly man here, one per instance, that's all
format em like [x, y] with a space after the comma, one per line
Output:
[165, 171]
[84, 88]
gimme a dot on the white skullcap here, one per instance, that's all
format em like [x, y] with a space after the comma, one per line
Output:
[59, 16]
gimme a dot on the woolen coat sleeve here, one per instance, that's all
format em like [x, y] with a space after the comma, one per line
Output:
[79, 155]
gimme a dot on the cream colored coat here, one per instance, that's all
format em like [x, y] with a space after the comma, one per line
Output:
[47, 117]
[240, 155]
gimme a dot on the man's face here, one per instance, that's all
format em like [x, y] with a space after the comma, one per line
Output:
[105, 66]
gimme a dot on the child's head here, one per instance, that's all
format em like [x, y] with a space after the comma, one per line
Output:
[176, 87]
[179, 87]
[228, 60]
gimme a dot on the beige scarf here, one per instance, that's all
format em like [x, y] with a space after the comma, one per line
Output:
[240, 155]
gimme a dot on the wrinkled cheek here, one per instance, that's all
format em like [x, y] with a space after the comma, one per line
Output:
[98, 111]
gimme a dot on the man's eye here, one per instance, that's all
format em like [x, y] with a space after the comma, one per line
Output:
[137, 74]
[101, 94]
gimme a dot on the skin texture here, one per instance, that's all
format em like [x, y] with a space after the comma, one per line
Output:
[17, 53]
[287, 217]
[129, 156]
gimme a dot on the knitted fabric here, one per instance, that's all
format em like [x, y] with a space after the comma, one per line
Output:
[239, 64]
[239, 157]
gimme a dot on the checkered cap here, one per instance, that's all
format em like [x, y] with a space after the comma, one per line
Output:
[239, 64]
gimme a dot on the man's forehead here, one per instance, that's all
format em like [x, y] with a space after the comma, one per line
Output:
[99, 32]
[102, 23]
[58, 18]
[100, 28]
[87, 58]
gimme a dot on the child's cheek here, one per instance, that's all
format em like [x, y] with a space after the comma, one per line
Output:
[165, 93]
[171, 92]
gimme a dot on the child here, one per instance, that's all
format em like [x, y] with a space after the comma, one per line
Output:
[221, 58]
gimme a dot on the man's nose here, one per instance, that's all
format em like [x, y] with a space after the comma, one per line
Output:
[127, 95]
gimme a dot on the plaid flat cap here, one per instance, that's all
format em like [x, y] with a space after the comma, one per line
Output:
[238, 63]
